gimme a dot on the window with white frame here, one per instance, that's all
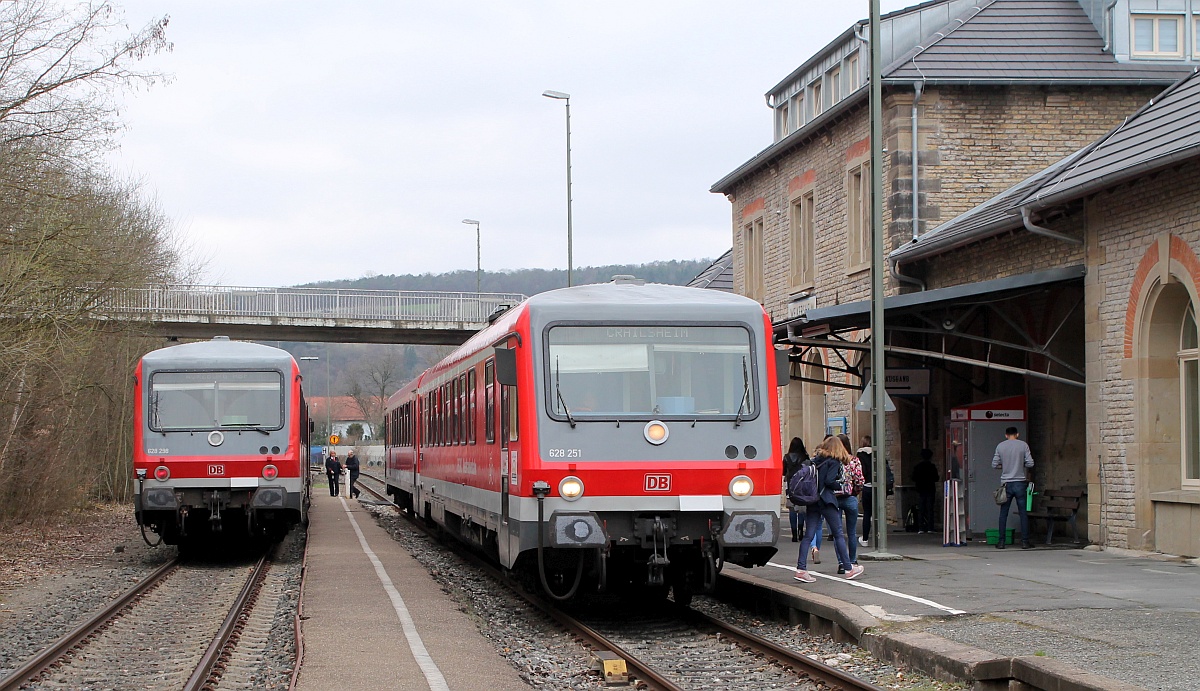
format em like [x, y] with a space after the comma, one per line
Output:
[1189, 394]
[752, 246]
[803, 241]
[858, 210]
[818, 103]
[1157, 36]
[783, 123]
[798, 111]
[834, 79]
[852, 73]
[1196, 35]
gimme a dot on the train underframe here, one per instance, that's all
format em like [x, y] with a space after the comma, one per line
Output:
[182, 516]
[633, 553]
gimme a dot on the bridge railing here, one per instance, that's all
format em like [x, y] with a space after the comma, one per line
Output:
[308, 303]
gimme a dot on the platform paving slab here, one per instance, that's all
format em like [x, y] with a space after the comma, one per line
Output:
[353, 637]
[1110, 619]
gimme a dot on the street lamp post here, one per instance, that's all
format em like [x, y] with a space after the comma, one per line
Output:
[566, 98]
[328, 398]
[478, 253]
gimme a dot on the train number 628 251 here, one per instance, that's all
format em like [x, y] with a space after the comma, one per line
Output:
[564, 453]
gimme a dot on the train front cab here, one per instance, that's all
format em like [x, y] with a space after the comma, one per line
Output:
[220, 444]
[677, 474]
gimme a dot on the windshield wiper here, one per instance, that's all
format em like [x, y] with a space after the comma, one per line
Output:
[256, 426]
[558, 391]
[737, 421]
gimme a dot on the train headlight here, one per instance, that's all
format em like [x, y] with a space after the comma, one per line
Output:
[162, 473]
[656, 432]
[571, 488]
[741, 487]
[270, 472]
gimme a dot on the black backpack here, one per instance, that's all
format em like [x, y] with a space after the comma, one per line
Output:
[802, 489]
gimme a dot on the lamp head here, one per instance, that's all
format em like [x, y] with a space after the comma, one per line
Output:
[556, 94]
[467, 220]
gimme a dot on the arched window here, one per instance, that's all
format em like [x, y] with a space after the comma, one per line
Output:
[1189, 393]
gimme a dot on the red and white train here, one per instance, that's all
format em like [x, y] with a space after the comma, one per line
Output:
[621, 435]
[220, 441]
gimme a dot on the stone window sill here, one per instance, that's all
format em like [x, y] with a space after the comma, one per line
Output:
[1177, 496]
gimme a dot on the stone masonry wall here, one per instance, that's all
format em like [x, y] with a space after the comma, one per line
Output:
[1124, 228]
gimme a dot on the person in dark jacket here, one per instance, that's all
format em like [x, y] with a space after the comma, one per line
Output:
[925, 477]
[828, 458]
[352, 466]
[796, 456]
[333, 471]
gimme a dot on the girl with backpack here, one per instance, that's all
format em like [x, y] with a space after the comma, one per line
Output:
[829, 457]
[847, 496]
[796, 456]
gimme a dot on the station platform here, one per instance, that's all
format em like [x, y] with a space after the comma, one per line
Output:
[373, 618]
[1131, 616]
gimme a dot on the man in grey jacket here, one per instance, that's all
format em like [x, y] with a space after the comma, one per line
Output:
[1013, 457]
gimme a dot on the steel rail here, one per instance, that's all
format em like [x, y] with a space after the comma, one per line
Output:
[249, 593]
[40, 662]
[804, 665]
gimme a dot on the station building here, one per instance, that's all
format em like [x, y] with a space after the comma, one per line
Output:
[979, 96]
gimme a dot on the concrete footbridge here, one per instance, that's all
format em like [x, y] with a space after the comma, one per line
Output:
[305, 314]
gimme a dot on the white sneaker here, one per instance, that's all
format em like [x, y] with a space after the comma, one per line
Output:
[854, 572]
[862, 542]
[815, 556]
[804, 577]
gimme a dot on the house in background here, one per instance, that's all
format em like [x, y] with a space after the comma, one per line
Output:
[343, 411]
[978, 95]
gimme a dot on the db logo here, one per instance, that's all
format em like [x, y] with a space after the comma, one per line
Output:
[216, 470]
[658, 483]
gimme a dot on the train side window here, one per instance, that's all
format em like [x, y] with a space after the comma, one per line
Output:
[512, 412]
[462, 408]
[454, 413]
[446, 414]
[489, 402]
[504, 416]
[471, 406]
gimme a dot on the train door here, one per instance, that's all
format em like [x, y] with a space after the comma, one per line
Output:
[510, 455]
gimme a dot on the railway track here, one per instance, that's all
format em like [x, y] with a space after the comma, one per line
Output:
[134, 641]
[673, 648]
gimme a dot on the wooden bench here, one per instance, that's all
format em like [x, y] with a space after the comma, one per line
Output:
[1059, 505]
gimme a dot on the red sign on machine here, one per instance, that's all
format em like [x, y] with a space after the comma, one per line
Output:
[658, 483]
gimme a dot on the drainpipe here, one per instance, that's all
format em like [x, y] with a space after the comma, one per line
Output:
[916, 207]
[1046, 232]
[1109, 26]
[902, 278]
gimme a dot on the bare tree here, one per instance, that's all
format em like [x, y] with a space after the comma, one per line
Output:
[376, 377]
[60, 68]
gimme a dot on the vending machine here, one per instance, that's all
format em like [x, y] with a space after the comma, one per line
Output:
[971, 438]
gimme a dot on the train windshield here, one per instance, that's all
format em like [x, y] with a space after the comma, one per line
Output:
[181, 401]
[608, 372]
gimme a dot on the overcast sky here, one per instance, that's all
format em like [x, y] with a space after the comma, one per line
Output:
[303, 141]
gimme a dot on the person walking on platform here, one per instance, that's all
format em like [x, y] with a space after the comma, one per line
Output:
[925, 477]
[867, 501]
[796, 456]
[333, 471]
[847, 496]
[828, 458]
[352, 466]
[1014, 459]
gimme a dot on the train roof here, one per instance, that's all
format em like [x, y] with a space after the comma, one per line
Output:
[219, 352]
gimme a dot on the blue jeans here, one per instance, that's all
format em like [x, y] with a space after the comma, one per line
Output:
[849, 508]
[1016, 492]
[812, 521]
